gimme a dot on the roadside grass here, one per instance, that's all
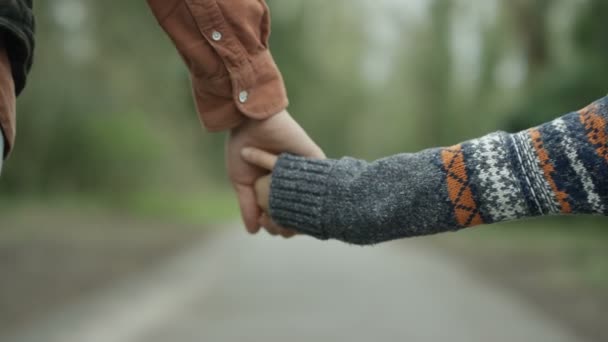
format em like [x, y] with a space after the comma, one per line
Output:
[56, 250]
[567, 251]
[560, 264]
[210, 207]
[203, 209]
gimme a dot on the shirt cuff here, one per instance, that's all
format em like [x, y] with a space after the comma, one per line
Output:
[225, 46]
[298, 188]
[256, 92]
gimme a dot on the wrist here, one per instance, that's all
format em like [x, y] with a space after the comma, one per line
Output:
[247, 121]
[297, 192]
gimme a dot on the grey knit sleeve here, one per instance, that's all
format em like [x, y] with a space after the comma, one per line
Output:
[558, 168]
[360, 202]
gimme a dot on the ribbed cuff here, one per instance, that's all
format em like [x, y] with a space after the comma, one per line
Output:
[297, 192]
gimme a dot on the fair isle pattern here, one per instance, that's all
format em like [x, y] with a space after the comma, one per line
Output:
[595, 125]
[461, 196]
[531, 166]
[569, 145]
[546, 164]
[525, 178]
[500, 194]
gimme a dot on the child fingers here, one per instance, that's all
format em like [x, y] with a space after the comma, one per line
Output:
[259, 158]
[270, 226]
[288, 234]
[262, 191]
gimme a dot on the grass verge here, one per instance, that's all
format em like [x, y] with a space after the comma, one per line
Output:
[560, 264]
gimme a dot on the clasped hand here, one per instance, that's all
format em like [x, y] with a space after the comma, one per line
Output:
[251, 152]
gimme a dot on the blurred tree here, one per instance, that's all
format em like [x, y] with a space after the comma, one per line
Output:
[319, 46]
[423, 74]
[107, 108]
[590, 32]
[530, 23]
[107, 112]
[571, 85]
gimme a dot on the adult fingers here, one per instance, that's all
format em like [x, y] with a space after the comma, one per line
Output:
[250, 212]
[259, 158]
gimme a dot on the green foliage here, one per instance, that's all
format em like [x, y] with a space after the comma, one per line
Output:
[108, 111]
[571, 85]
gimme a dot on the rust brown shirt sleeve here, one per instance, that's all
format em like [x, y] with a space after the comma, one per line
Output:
[224, 44]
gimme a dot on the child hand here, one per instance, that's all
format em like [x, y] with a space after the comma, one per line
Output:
[266, 161]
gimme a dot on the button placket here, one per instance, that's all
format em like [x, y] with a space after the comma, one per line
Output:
[212, 24]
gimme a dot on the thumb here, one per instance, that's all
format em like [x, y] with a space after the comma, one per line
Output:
[259, 158]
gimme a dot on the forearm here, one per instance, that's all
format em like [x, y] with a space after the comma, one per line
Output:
[558, 168]
[7, 102]
[1, 149]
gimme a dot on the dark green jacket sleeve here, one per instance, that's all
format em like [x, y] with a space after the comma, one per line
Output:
[17, 27]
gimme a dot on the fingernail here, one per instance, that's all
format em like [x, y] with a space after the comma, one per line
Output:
[246, 152]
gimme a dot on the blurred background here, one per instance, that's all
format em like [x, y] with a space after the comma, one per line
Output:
[112, 171]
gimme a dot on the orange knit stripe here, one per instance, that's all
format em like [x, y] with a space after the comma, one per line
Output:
[549, 170]
[459, 190]
[596, 130]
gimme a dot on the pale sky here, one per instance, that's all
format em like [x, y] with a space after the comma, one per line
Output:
[469, 18]
[383, 33]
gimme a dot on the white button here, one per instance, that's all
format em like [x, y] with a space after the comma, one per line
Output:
[216, 35]
[243, 96]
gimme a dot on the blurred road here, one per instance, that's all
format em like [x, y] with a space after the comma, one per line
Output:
[237, 288]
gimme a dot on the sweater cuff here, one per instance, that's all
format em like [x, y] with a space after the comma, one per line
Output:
[297, 192]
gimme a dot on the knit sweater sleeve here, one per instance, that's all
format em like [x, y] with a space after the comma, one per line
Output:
[558, 168]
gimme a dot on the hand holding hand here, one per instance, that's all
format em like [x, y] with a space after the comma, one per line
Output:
[279, 133]
[266, 161]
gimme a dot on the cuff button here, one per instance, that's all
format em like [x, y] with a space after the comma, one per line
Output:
[243, 96]
[216, 36]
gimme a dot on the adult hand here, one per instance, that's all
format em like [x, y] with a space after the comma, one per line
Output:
[277, 134]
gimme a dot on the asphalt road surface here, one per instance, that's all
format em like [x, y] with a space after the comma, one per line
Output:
[233, 287]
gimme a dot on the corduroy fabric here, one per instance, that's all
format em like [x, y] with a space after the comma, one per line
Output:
[225, 45]
[558, 168]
